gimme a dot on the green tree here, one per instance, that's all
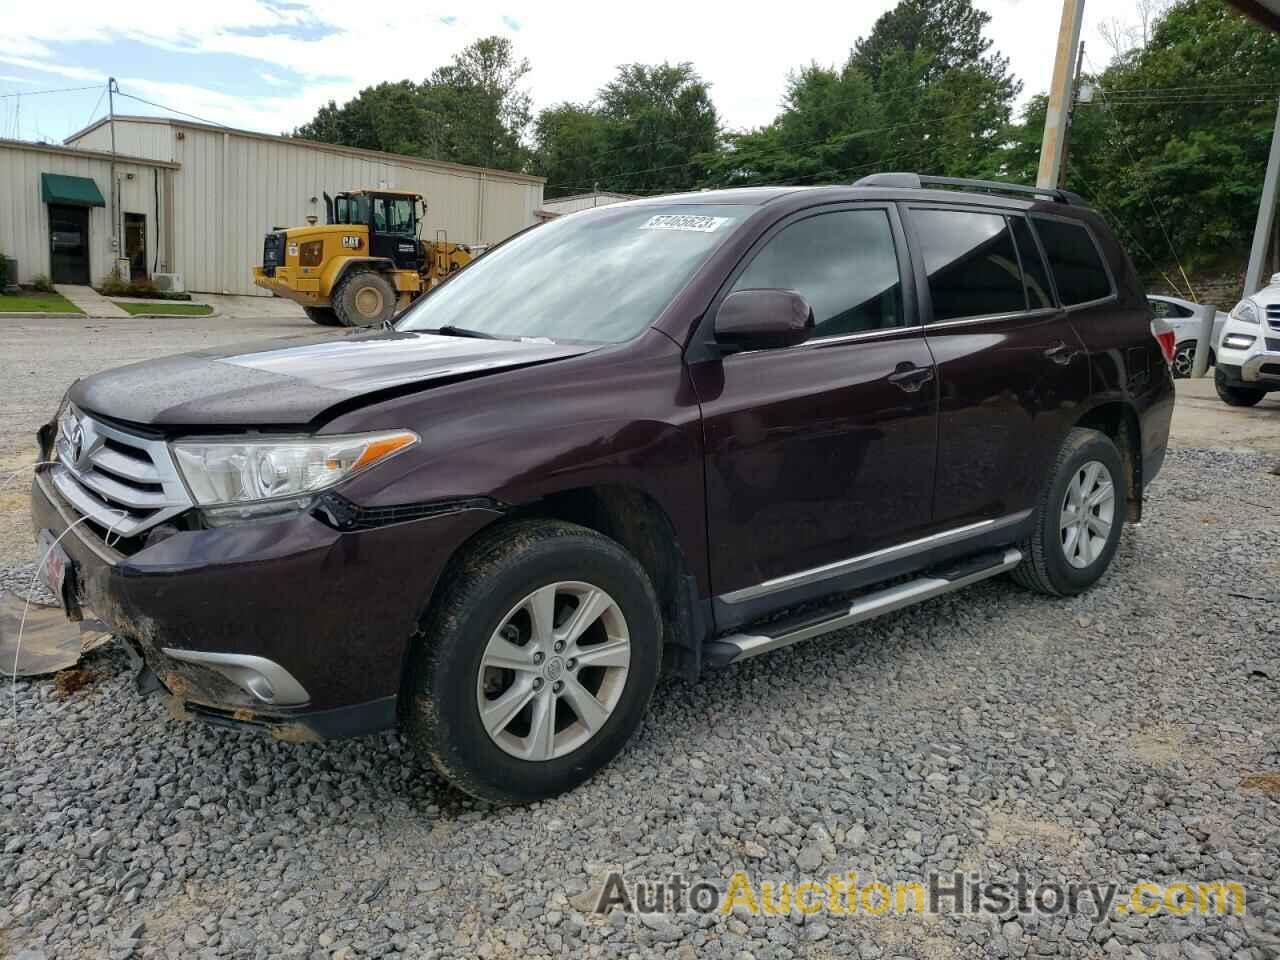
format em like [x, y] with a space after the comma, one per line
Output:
[924, 91]
[473, 110]
[1173, 144]
[651, 129]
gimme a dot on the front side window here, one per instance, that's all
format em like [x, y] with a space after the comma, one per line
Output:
[971, 263]
[1075, 261]
[600, 276]
[844, 263]
[393, 215]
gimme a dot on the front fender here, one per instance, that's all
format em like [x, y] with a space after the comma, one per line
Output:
[621, 416]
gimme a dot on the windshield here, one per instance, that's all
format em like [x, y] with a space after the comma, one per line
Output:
[596, 277]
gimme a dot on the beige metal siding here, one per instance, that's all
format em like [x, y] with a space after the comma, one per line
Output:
[24, 221]
[232, 187]
[134, 138]
[587, 201]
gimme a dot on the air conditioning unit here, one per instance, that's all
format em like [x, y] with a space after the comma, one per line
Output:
[168, 282]
[124, 269]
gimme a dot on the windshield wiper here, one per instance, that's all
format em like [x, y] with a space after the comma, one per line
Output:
[449, 330]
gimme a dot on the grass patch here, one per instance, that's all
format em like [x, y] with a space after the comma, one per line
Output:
[165, 308]
[37, 303]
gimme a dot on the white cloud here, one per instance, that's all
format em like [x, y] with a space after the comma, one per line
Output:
[574, 46]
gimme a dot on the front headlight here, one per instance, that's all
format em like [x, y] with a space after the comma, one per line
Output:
[1245, 311]
[284, 472]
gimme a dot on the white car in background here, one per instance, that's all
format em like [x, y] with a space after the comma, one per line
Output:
[1184, 317]
[1249, 348]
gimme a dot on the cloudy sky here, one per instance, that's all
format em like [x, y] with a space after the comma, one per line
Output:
[268, 64]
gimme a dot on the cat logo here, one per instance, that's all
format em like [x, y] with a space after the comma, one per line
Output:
[351, 242]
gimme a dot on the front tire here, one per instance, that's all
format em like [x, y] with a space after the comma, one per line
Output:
[364, 299]
[324, 316]
[1077, 519]
[1236, 396]
[536, 662]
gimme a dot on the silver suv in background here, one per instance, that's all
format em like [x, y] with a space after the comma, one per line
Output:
[1248, 350]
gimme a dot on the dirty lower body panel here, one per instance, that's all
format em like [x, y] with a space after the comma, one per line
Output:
[290, 626]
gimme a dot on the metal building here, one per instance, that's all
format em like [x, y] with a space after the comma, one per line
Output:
[560, 206]
[195, 200]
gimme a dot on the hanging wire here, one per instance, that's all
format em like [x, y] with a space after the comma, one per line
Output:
[1142, 185]
[161, 106]
[41, 93]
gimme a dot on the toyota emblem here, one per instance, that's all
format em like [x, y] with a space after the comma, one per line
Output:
[76, 438]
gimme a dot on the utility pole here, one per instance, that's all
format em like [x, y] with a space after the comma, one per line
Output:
[1057, 116]
[1071, 117]
[1266, 215]
[115, 213]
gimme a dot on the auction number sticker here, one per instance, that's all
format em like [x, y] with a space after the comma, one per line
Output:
[683, 221]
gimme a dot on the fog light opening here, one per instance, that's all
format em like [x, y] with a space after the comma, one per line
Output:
[260, 687]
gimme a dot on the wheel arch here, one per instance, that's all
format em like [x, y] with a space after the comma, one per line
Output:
[336, 272]
[1119, 421]
[636, 520]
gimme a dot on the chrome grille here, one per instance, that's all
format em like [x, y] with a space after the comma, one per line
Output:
[125, 484]
[1273, 316]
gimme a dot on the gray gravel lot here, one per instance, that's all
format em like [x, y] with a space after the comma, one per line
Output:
[1108, 737]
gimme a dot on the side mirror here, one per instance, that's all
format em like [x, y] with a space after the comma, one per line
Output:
[763, 319]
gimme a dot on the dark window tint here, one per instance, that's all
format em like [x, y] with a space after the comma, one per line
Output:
[843, 263]
[1075, 261]
[1165, 309]
[1039, 292]
[971, 262]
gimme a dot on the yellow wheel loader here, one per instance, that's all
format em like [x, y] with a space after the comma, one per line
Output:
[365, 265]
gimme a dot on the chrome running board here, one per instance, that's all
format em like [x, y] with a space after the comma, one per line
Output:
[739, 646]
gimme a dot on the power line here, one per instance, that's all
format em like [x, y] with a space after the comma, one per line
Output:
[161, 106]
[41, 93]
[94, 112]
[1142, 185]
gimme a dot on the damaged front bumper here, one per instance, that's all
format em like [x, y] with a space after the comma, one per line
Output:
[290, 626]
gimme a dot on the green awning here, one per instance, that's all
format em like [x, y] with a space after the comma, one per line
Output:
[73, 191]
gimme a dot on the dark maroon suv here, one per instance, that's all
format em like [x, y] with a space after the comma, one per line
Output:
[674, 432]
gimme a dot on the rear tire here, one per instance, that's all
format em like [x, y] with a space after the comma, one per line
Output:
[324, 316]
[1236, 396]
[364, 299]
[485, 669]
[1077, 519]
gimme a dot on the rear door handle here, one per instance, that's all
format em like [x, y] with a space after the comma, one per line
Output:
[909, 377]
[1060, 353]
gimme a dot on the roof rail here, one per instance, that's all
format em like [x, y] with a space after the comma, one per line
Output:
[913, 181]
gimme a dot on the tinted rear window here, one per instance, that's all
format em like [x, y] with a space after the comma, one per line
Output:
[971, 262]
[1039, 292]
[1075, 261]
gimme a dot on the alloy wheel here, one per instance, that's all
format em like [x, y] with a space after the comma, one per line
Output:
[1088, 511]
[1183, 361]
[554, 670]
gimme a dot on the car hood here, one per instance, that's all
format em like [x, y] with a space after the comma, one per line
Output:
[294, 381]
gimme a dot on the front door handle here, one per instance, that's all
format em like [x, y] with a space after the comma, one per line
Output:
[910, 378]
[1060, 353]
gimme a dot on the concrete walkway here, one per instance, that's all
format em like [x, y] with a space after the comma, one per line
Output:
[90, 301]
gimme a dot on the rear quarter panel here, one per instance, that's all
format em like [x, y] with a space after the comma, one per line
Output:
[1126, 362]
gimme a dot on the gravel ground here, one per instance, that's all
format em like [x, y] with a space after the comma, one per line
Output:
[1105, 737]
